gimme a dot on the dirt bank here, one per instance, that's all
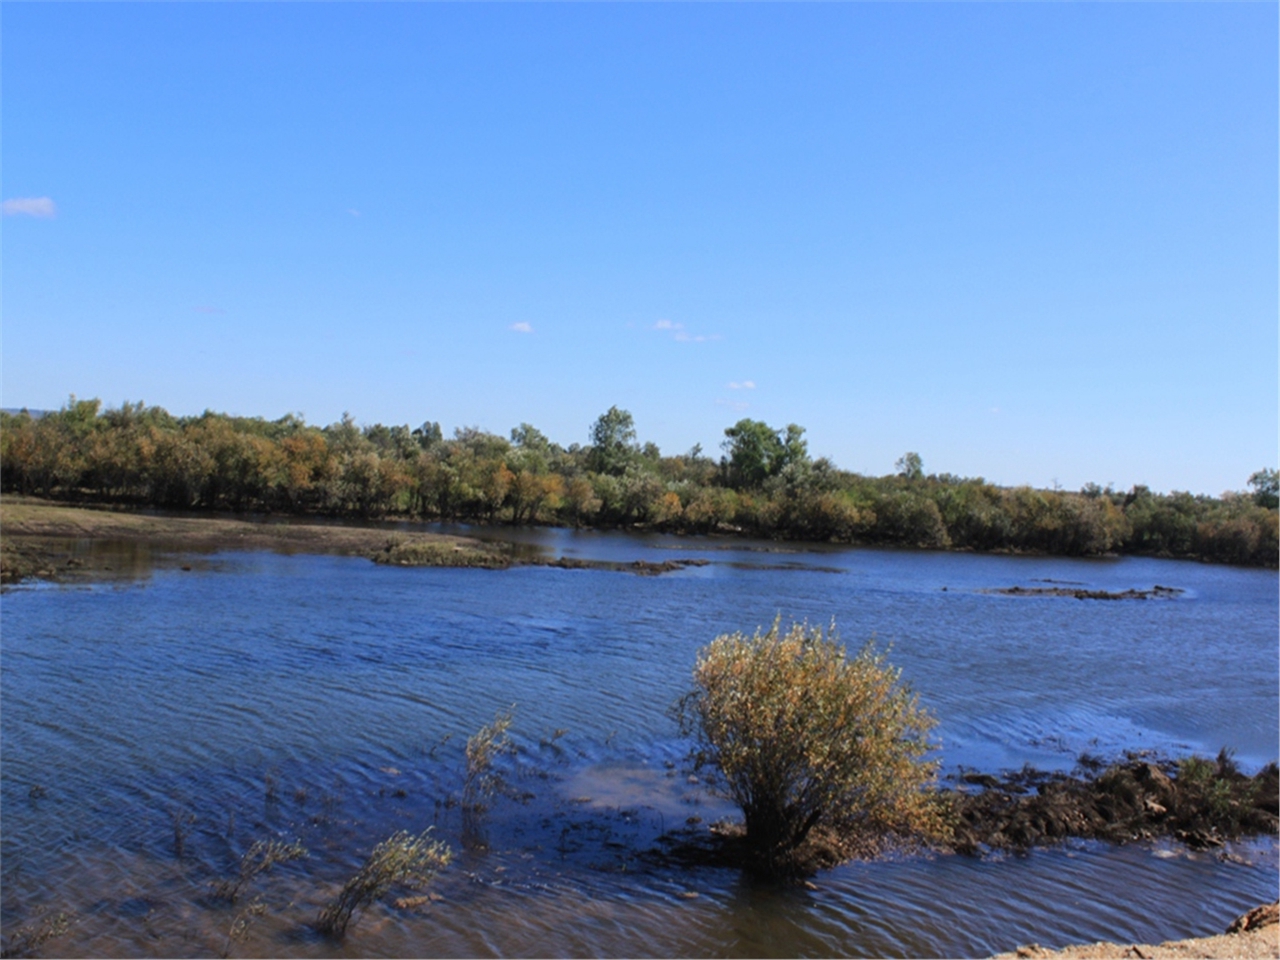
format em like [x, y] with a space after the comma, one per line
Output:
[43, 540]
[1256, 934]
[53, 541]
[1202, 803]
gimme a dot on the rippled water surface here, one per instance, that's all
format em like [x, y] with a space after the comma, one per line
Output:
[152, 729]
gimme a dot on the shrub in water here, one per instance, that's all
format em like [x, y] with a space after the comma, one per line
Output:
[259, 858]
[401, 858]
[804, 736]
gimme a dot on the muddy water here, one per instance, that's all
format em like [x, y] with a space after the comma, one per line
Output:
[153, 728]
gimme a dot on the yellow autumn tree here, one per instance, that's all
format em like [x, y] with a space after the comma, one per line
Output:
[801, 735]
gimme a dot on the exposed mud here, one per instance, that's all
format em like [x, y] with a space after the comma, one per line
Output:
[1079, 593]
[50, 541]
[1202, 803]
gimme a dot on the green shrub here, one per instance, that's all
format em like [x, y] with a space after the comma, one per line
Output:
[803, 737]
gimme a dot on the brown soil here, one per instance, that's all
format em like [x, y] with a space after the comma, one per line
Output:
[1200, 802]
[39, 539]
[1252, 936]
[44, 540]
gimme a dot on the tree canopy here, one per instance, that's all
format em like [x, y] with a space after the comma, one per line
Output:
[765, 484]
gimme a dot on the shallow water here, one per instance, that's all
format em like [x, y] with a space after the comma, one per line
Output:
[328, 698]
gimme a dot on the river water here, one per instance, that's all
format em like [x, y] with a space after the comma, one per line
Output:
[154, 728]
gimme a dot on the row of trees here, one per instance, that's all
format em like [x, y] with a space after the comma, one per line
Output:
[764, 484]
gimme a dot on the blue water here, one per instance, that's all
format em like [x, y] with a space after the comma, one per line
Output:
[269, 695]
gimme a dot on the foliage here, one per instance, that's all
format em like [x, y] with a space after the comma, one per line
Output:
[400, 859]
[803, 736]
[756, 451]
[1266, 488]
[910, 466]
[765, 484]
[613, 437]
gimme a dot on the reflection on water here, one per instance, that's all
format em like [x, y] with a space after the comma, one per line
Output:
[327, 699]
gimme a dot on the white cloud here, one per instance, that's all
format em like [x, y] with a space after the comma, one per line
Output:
[744, 385]
[353, 211]
[522, 327]
[679, 334]
[30, 207]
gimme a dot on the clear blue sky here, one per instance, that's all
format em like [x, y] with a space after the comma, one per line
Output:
[1031, 242]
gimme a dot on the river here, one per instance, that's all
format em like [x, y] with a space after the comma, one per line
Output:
[153, 728]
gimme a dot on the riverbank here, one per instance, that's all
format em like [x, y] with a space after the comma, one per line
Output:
[1252, 936]
[43, 540]
[46, 540]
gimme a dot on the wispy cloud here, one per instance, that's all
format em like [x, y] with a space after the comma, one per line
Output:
[522, 327]
[353, 211]
[42, 207]
[678, 332]
[732, 404]
[743, 385]
[207, 310]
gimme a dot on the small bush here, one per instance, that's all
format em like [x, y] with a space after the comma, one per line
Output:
[258, 859]
[805, 737]
[482, 749]
[400, 859]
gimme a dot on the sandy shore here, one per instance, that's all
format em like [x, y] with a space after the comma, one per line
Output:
[1254, 935]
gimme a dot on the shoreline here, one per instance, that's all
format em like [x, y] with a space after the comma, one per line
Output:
[73, 543]
[38, 539]
[1252, 936]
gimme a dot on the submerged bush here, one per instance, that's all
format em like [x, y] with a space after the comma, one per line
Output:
[483, 747]
[258, 859]
[804, 737]
[400, 859]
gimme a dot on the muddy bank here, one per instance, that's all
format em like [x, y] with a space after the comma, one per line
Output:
[1202, 803]
[47, 541]
[1255, 934]
[1157, 592]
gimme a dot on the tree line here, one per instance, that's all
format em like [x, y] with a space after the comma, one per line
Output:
[764, 484]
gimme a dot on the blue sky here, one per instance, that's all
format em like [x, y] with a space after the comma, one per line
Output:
[1035, 243]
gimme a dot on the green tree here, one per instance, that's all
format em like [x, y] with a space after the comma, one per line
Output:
[755, 451]
[910, 466]
[803, 736]
[613, 442]
[1266, 488]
